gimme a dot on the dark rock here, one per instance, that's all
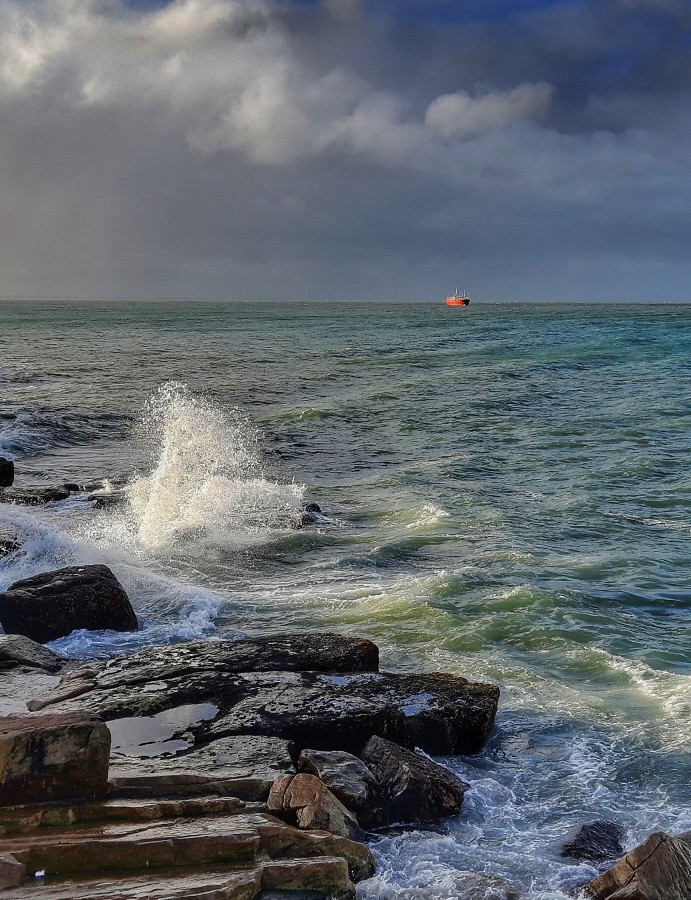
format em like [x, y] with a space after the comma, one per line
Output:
[33, 496]
[6, 472]
[437, 712]
[595, 841]
[312, 508]
[348, 779]
[53, 756]
[658, 869]
[415, 789]
[53, 604]
[106, 499]
[17, 650]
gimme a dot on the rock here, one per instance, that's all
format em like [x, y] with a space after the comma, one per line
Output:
[312, 508]
[348, 779]
[106, 499]
[6, 472]
[415, 788]
[439, 713]
[231, 856]
[200, 671]
[12, 871]
[658, 869]
[243, 767]
[313, 805]
[595, 841]
[53, 756]
[33, 496]
[17, 650]
[53, 604]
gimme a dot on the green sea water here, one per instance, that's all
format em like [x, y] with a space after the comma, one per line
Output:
[505, 493]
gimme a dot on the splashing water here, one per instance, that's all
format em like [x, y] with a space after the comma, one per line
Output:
[207, 478]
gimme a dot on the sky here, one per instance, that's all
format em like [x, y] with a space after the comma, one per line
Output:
[346, 149]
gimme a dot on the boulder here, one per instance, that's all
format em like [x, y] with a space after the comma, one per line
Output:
[313, 805]
[595, 841]
[348, 779]
[17, 650]
[658, 869]
[54, 756]
[414, 788]
[33, 496]
[6, 472]
[53, 604]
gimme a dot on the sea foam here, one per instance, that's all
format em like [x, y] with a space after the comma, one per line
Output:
[207, 477]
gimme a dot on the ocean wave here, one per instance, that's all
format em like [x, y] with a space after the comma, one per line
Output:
[26, 433]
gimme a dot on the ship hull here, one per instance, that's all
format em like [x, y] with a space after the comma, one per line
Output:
[457, 301]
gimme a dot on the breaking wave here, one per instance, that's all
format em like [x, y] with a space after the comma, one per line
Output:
[207, 478]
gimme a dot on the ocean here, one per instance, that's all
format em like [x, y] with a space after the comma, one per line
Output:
[505, 494]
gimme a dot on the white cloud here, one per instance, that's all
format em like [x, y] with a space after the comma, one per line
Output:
[460, 115]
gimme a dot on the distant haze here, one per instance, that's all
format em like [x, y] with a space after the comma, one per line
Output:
[269, 149]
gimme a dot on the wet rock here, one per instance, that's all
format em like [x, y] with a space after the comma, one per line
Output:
[595, 841]
[658, 869]
[348, 779]
[202, 671]
[33, 496]
[53, 756]
[415, 789]
[242, 766]
[313, 805]
[6, 472]
[53, 604]
[187, 857]
[439, 713]
[17, 650]
[312, 508]
[106, 499]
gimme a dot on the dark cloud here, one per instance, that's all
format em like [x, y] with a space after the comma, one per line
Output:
[345, 149]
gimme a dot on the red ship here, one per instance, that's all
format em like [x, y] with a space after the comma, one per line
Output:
[457, 299]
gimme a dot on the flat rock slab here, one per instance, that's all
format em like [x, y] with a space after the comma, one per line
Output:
[52, 756]
[18, 650]
[53, 604]
[33, 496]
[240, 841]
[194, 885]
[442, 714]
[243, 766]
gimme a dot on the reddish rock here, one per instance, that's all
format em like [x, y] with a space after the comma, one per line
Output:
[348, 779]
[54, 756]
[313, 805]
[658, 869]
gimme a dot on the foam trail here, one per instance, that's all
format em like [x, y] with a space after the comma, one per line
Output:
[207, 477]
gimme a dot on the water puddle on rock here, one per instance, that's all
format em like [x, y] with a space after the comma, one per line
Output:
[153, 735]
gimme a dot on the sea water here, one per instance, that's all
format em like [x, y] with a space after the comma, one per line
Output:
[506, 495]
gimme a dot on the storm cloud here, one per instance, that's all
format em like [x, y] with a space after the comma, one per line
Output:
[352, 150]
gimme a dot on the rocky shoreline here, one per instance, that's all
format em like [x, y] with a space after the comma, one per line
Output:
[241, 769]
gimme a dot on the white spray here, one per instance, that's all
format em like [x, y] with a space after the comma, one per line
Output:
[207, 479]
